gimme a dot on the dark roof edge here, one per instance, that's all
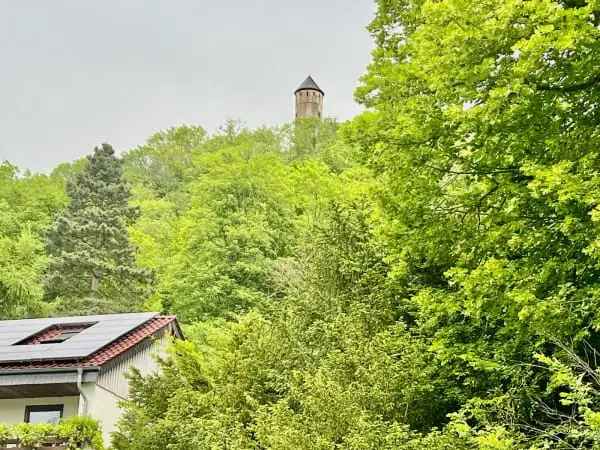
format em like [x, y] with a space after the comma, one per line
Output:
[309, 85]
[131, 330]
[178, 329]
[48, 370]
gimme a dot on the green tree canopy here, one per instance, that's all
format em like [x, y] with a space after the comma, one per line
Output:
[483, 130]
[27, 205]
[162, 163]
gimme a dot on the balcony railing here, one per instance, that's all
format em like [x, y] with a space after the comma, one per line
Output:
[46, 444]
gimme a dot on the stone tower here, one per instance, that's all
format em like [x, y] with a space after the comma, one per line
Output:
[309, 99]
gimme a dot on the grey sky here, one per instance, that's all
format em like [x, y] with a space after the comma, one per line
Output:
[74, 73]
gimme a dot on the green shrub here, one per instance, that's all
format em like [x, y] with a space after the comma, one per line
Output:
[78, 432]
[4, 432]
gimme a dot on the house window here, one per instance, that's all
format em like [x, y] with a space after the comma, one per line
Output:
[43, 413]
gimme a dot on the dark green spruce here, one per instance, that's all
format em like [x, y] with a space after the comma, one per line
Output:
[92, 264]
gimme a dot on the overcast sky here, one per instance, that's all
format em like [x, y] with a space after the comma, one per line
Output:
[75, 73]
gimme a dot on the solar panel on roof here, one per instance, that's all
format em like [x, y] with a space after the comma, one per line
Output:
[106, 329]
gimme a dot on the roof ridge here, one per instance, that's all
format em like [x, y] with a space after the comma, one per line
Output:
[128, 340]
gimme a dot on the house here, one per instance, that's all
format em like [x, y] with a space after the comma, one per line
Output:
[60, 367]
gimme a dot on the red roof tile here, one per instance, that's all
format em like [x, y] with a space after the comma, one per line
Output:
[105, 354]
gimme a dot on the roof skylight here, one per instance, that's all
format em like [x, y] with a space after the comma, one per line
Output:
[55, 334]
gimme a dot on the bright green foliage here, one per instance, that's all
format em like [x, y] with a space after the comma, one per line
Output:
[260, 233]
[161, 164]
[27, 204]
[215, 241]
[79, 432]
[92, 267]
[238, 223]
[315, 138]
[483, 131]
[22, 262]
[327, 364]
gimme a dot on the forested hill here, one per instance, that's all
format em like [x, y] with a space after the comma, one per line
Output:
[187, 223]
[426, 276]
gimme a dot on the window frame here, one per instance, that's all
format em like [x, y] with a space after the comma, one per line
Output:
[43, 408]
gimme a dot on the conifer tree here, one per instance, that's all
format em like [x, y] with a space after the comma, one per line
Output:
[92, 267]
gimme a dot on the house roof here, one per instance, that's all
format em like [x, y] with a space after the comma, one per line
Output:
[309, 84]
[115, 344]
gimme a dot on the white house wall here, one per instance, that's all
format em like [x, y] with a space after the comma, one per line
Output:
[112, 384]
[104, 407]
[143, 358]
[13, 410]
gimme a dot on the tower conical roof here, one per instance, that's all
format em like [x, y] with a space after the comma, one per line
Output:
[309, 83]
